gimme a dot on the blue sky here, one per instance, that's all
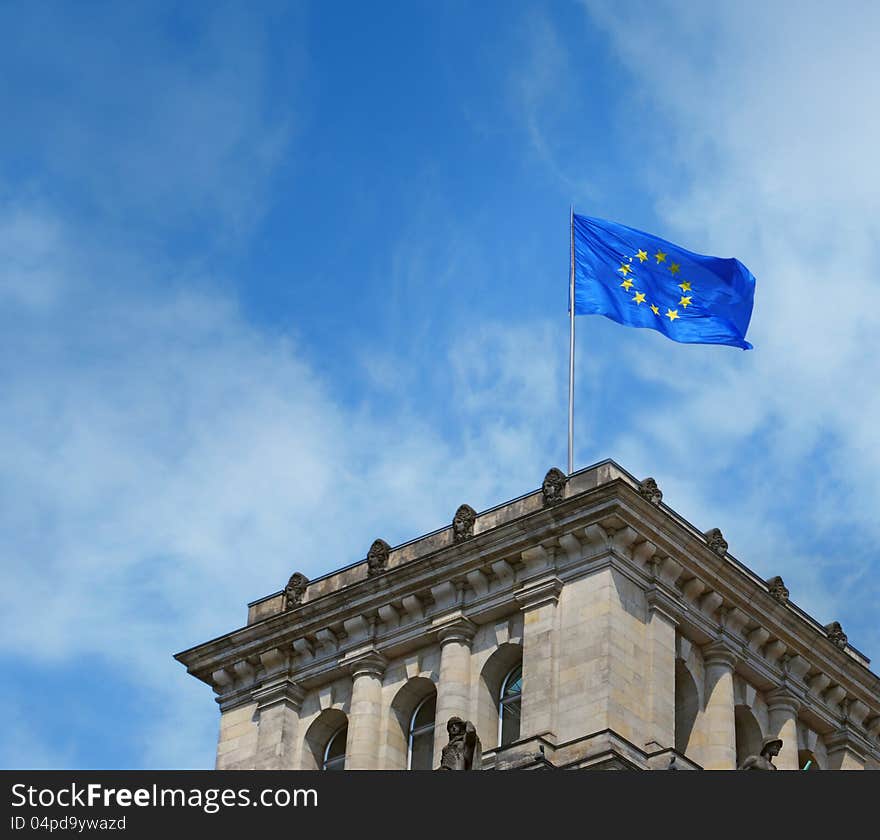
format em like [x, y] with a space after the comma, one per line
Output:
[276, 280]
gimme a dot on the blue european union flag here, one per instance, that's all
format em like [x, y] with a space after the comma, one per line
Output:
[641, 280]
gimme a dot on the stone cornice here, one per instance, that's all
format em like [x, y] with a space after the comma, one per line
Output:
[539, 593]
[500, 544]
[282, 690]
[847, 738]
[604, 559]
[235, 697]
[609, 524]
[664, 603]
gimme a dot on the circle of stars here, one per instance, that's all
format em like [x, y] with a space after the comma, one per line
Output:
[629, 282]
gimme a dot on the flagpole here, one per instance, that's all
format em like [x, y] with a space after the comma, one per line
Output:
[571, 351]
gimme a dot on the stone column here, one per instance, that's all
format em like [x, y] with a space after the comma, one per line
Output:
[454, 684]
[783, 707]
[720, 724]
[540, 657]
[278, 703]
[364, 722]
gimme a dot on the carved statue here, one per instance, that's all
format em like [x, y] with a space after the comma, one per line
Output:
[377, 557]
[294, 591]
[463, 523]
[836, 635]
[649, 490]
[764, 761]
[778, 590]
[715, 540]
[553, 486]
[463, 752]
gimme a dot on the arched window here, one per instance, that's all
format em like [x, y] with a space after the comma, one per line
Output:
[749, 739]
[687, 707]
[807, 760]
[334, 754]
[420, 754]
[492, 691]
[510, 706]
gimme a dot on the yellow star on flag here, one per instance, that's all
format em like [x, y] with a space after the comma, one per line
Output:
[625, 269]
[642, 255]
[672, 314]
[685, 302]
[661, 257]
[675, 268]
[655, 309]
[685, 286]
[640, 297]
[627, 284]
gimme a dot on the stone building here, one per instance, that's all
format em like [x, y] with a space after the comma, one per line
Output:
[583, 625]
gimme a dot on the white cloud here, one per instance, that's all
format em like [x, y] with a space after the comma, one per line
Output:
[542, 90]
[757, 119]
[158, 118]
[164, 461]
[30, 245]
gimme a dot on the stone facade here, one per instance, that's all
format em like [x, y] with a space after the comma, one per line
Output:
[642, 644]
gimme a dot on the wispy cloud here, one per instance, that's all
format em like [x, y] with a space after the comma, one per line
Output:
[182, 461]
[756, 115]
[158, 118]
[543, 93]
[164, 458]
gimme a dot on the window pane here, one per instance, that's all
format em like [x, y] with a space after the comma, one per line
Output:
[421, 735]
[513, 684]
[426, 712]
[510, 714]
[334, 758]
[422, 751]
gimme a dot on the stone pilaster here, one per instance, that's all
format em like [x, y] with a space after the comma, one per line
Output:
[662, 624]
[783, 707]
[278, 705]
[365, 719]
[540, 657]
[845, 750]
[454, 684]
[720, 724]
[237, 743]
